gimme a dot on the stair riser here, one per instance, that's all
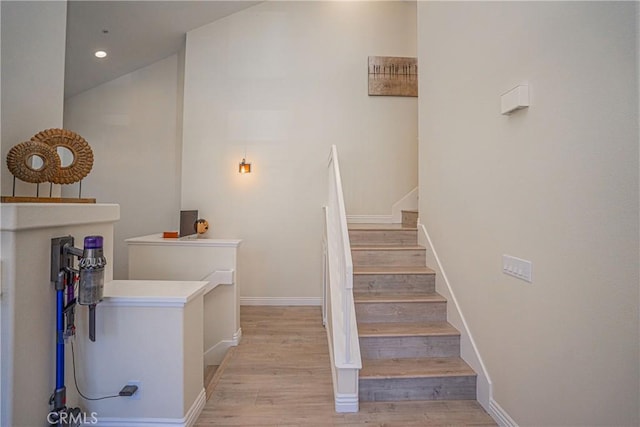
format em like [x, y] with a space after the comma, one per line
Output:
[439, 388]
[383, 237]
[402, 312]
[406, 283]
[389, 258]
[409, 347]
[409, 219]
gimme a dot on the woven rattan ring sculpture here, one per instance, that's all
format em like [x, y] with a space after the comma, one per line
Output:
[20, 162]
[79, 147]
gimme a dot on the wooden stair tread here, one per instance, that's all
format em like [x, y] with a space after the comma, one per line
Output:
[379, 270]
[379, 227]
[427, 367]
[386, 248]
[422, 329]
[388, 297]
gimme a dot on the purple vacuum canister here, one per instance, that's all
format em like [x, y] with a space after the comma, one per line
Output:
[93, 242]
[91, 285]
[91, 268]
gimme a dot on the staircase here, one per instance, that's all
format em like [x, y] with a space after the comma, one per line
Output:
[409, 351]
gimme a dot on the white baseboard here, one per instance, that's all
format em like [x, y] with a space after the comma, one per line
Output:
[194, 412]
[500, 415]
[468, 348]
[215, 353]
[408, 202]
[281, 301]
[346, 403]
[369, 219]
[237, 336]
[187, 421]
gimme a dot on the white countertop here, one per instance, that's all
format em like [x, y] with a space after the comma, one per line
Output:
[157, 239]
[152, 293]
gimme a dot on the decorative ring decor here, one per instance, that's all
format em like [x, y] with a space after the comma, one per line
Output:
[79, 147]
[20, 157]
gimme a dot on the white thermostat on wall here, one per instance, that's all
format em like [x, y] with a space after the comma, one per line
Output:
[514, 100]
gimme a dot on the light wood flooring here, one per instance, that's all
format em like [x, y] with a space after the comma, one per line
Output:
[280, 375]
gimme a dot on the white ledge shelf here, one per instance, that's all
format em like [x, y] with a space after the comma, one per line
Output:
[30, 216]
[157, 239]
[151, 293]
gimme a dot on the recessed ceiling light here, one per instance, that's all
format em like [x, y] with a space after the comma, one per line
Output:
[100, 54]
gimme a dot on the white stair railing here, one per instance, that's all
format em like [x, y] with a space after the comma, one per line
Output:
[338, 309]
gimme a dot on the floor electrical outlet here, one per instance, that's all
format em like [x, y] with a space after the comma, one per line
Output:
[137, 394]
[128, 390]
[516, 267]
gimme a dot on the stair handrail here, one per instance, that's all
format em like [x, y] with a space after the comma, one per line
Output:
[338, 297]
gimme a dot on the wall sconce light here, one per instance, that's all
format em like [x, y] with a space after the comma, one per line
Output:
[244, 167]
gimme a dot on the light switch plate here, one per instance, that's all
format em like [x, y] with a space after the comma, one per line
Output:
[517, 267]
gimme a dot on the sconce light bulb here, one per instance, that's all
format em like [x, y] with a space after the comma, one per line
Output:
[244, 167]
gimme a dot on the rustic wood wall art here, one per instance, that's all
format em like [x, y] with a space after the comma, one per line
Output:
[393, 76]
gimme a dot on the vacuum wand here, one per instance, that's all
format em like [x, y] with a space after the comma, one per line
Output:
[92, 322]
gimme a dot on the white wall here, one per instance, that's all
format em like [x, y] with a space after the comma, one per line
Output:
[556, 184]
[32, 38]
[33, 46]
[285, 80]
[131, 124]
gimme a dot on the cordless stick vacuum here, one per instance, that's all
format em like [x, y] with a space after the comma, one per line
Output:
[90, 274]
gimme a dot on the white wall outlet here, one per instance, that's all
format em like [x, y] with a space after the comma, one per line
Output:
[138, 394]
[516, 267]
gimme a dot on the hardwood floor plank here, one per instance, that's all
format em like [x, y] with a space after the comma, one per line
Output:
[409, 347]
[383, 237]
[372, 270]
[415, 368]
[401, 389]
[385, 297]
[398, 329]
[433, 311]
[388, 256]
[357, 226]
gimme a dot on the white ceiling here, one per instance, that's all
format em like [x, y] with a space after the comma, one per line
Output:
[139, 33]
